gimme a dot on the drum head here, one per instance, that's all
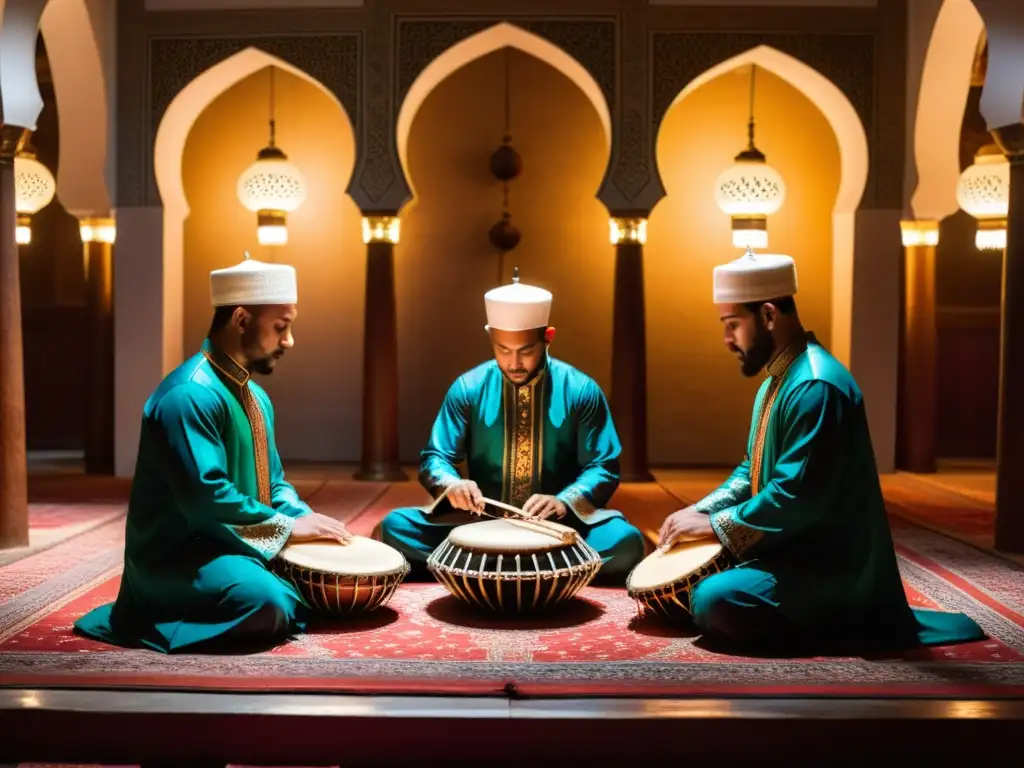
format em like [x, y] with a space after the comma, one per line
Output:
[360, 557]
[662, 568]
[506, 536]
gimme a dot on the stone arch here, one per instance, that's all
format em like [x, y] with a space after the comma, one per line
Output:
[168, 149]
[945, 83]
[494, 38]
[72, 33]
[854, 163]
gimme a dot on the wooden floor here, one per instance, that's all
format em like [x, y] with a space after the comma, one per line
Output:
[127, 727]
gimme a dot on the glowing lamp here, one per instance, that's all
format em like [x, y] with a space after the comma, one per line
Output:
[748, 192]
[983, 191]
[271, 187]
[381, 229]
[627, 230]
[34, 187]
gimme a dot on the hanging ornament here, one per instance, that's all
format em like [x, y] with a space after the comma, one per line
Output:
[750, 190]
[983, 191]
[34, 188]
[272, 187]
[506, 165]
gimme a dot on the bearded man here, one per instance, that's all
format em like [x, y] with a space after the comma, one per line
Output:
[209, 505]
[533, 431]
[803, 516]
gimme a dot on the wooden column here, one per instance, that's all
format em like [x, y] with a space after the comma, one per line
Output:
[1009, 522]
[13, 469]
[628, 398]
[918, 370]
[380, 461]
[98, 237]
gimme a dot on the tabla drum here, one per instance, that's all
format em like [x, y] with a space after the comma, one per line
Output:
[514, 566]
[663, 581]
[343, 579]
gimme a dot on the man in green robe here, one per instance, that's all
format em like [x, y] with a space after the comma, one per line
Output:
[533, 431]
[803, 516]
[209, 505]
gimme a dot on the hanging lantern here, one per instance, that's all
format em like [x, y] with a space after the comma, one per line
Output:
[34, 187]
[272, 187]
[750, 190]
[983, 191]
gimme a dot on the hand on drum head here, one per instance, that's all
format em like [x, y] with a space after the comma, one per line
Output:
[317, 527]
[542, 507]
[683, 526]
[466, 495]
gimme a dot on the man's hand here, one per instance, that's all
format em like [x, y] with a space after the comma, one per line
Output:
[316, 527]
[685, 525]
[542, 507]
[466, 495]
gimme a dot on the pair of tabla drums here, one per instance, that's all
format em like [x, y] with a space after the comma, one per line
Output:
[520, 566]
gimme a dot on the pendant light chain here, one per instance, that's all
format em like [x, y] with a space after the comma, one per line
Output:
[273, 123]
[750, 125]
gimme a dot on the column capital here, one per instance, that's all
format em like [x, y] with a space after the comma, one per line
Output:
[918, 232]
[381, 228]
[12, 139]
[1010, 140]
[97, 229]
[627, 230]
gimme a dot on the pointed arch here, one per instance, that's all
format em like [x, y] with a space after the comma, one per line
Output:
[168, 150]
[72, 31]
[945, 83]
[502, 35]
[853, 175]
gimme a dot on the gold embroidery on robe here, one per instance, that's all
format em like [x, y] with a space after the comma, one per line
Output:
[522, 447]
[577, 502]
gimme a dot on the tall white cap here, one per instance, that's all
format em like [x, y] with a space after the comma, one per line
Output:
[755, 277]
[253, 282]
[517, 307]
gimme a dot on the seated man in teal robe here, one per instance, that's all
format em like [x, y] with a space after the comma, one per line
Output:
[533, 431]
[803, 516]
[209, 505]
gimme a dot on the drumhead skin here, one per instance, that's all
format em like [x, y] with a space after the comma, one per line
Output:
[505, 536]
[662, 568]
[360, 557]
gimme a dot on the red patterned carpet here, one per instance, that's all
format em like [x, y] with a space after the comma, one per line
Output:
[424, 641]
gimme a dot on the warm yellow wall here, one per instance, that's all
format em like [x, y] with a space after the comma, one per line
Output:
[445, 262]
[317, 388]
[699, 403]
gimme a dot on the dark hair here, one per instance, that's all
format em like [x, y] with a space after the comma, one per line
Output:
[221, 318]
[785, 304]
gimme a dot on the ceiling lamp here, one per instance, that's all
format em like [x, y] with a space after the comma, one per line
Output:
[984, 192]
[34, 187]
[750, 190]
[271, 187]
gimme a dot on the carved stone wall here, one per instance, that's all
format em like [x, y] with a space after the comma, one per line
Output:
[640, 56]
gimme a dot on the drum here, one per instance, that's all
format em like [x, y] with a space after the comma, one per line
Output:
[343, 579]
[663, 581]
[514, 566]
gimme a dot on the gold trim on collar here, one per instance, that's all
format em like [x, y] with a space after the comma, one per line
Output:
[223, 363]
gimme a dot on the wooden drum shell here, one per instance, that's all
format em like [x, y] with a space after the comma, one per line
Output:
[515, 583]
[341, 595]
[672, 600]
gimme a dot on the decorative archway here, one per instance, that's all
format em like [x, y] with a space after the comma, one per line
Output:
[476, 46]
[71, 32]
[168, 149]
[945, 83]
[854, 161]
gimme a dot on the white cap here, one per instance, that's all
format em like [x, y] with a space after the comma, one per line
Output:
[754, 277]
[253, 282]
[517, 307]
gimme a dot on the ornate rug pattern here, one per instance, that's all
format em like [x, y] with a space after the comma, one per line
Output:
[425, 641]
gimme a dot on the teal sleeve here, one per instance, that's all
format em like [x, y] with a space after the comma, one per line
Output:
[734, 490]
[597, 452]
[283, 496]
[803, 481]
[190, 419]
[446, 448]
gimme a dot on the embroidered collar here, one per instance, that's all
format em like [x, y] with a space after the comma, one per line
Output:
[223, 363]
[788, 356]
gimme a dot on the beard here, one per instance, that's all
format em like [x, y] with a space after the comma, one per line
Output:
[264, 366]
[756, 358]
